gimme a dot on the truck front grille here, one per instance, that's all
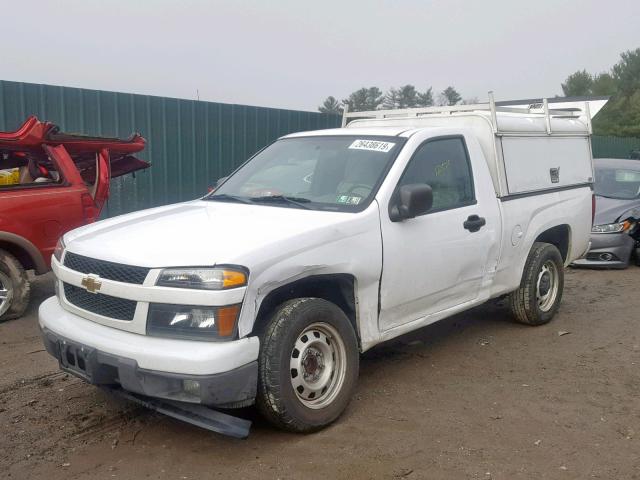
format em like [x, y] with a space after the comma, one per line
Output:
[108, 270]
[100, 304]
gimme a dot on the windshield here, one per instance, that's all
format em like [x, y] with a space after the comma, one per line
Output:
[620, 183]
[339, 173]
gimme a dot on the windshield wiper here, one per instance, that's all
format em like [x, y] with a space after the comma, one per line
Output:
[223, 197]
[296, 201]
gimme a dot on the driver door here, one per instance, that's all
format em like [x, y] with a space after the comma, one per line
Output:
[433, 262]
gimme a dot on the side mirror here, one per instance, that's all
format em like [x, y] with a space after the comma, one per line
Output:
[412, 200]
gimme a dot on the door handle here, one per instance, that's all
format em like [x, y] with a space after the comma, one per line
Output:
[474, 223]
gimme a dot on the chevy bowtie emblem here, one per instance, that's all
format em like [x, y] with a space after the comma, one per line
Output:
[92, 283]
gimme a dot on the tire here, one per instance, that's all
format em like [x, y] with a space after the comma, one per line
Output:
[14, 287]
[637, 255]
[286, 382]
[537, 299]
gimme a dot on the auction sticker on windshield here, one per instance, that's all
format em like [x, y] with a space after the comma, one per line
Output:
[372, 145]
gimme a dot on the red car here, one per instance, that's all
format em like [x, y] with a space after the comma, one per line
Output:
[50, 182]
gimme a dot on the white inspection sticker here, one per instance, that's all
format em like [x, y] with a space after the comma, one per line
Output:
[373, 145]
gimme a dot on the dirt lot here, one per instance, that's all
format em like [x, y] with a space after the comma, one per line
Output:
[475, 396]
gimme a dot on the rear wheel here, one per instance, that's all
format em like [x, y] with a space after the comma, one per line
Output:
[14, 287]
[308, 365]
[537, 299]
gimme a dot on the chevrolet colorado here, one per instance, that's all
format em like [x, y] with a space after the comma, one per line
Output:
[321, 246]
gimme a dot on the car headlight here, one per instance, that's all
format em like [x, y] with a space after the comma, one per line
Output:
[612, 227]
[59, 250]
[202, 278]
[192, 322]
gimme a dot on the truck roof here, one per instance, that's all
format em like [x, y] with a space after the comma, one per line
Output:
[391, 131]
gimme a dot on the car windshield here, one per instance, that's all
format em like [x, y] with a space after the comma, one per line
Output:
[339, 173]
[620, 183]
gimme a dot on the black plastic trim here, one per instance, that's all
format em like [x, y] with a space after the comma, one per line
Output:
[237, 386]
[516, 196]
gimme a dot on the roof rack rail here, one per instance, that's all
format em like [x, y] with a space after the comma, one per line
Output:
[541, 108]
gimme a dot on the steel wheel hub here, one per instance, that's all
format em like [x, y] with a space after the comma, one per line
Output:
[318, 365]
[547, 286]
[6, 293]
[312, 364]
[545, 283]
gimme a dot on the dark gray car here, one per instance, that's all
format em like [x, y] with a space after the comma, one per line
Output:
[615, 236]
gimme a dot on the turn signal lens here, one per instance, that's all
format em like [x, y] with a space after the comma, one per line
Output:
[227, 317]
[233, 279]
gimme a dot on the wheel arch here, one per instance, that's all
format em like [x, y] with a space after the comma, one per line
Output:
[337, 288]
[25, 251]
[560, 236]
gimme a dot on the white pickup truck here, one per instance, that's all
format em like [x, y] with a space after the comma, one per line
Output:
[321, 246]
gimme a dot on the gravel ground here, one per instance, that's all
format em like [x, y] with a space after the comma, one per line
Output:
[474, 396]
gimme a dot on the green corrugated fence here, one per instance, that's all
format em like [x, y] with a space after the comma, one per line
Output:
[190, 143]
[614, 147]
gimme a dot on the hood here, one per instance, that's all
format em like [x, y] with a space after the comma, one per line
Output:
[611, 210]
[204, 233]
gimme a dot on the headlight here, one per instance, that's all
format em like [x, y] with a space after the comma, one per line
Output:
[612, 227]
[59, 250]
[192, 322]
[202, 278]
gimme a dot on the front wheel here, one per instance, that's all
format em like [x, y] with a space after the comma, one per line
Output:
[308, 365]
[14, 287]
[537, 299]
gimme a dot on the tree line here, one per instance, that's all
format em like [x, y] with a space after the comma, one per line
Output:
[621, 116]
[406, 96]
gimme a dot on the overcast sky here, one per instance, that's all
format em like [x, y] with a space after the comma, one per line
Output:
[294, 53]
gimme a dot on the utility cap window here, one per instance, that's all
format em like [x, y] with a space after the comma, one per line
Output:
[444, 165]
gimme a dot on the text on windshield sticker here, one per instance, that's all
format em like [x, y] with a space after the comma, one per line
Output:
[372, 145]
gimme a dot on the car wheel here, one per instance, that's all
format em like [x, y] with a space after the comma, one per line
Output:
[308, 365]
[14, 287]
[637, 255]
[537, 299]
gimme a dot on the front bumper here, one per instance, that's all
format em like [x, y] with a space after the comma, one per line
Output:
[221, 374]
[608, 250]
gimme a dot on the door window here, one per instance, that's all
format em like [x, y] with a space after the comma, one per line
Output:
[27, 169]
[444, 165]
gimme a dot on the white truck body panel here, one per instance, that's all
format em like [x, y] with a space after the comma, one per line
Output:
[533, 164]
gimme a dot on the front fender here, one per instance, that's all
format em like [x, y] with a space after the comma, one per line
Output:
[355, 249]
